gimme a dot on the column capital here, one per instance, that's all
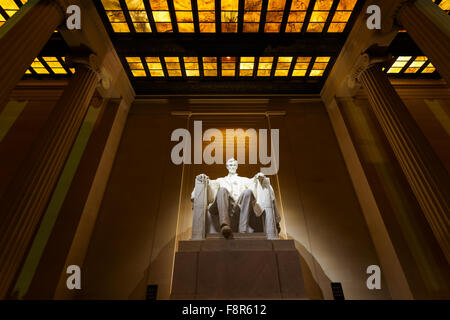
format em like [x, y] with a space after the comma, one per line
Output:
[390, 22]
[364, 62]
[84, 57]
[87, 59]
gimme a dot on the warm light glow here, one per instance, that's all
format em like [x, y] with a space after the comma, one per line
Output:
[173, 66]
[55, 65]
[319, 15]
[183, 12]
[274, 16]
[252, 15]
[319, 67]
[154, 66]
[444, 5]
[301, 66]
[283, 66]
[297, 15]
[416, 65]
[115, 15]
[246, 66]
[429, 68]
[10, 8]
[210, 66]
[399, 64]
[183, 15]
[161, 15]
[228, 66]
[206, 15]
[136, 66]
[342, 15]
[265, 66]
[191, 66]
[229, 15]
[38, 67]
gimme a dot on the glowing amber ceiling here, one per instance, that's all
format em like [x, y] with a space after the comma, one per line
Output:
[189, 16]
[261, 67]
[9, 8]
[410, 65]
[50, 66]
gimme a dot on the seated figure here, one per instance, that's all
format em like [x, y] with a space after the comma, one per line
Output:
[234, 196]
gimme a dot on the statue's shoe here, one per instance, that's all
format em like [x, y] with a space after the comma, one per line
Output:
[226, 231]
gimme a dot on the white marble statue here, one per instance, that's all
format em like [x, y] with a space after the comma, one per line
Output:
[232, 195]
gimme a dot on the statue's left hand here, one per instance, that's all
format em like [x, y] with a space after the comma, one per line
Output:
[260, 176]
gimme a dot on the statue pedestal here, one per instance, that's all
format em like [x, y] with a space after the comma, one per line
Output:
[244, 267]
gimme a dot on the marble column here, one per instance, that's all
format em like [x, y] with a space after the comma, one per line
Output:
[22, 38]
[26, 199]
[429, 27]
[428, 178]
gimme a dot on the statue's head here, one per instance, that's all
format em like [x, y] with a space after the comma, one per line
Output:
[232, 165]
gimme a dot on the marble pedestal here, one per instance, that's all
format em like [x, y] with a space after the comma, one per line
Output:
[245, 267]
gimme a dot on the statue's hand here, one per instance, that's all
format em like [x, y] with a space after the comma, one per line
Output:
[260, 176]
[202, 178]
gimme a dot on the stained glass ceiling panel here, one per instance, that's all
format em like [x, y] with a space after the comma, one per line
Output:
[261, 67]
[228, 16]
[8, 8]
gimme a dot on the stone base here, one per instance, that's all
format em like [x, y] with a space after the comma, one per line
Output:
[237, 269]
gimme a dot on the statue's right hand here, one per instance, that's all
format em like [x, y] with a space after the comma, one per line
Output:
[202, 178]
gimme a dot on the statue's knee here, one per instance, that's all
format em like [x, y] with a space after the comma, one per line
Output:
[222, 192]
[247, 193]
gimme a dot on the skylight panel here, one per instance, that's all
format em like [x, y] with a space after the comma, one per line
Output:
[319, 67]
[319, 15]
[55, 65]
[210, 66]
[342, 15]
[283, 66]
[399, 64]
[265, 66]
[297, 15]
[206, 15]
[115, 15]
[183, 12]
[154, 66]
[138, 15]
[429, 68]
[161, 15]
[10, 7]
[136, 66]
[416, 64]
[173, 66]
[246, 66]
[38, 67]
[301, 66]
[252, 15]
[229, 15]
[274, 15]
[191, 66]
[228, 66]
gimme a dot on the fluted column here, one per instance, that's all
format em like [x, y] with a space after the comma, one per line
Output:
[22, 38]
[429, 27]
[23, 204]
[429, 180]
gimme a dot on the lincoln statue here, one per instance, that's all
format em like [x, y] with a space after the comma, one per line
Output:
[234, 196]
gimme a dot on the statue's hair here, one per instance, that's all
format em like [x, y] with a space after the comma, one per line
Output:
[231, 159]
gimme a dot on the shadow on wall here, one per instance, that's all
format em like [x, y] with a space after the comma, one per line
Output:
[312, 287]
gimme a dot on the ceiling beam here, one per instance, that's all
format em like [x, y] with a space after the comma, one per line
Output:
[228, 45]
[172, 86]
